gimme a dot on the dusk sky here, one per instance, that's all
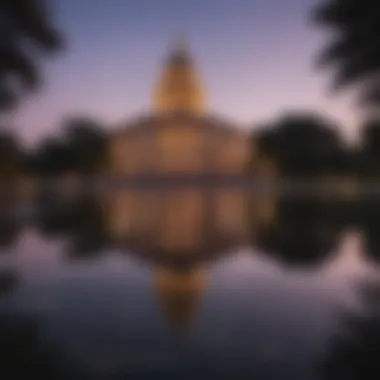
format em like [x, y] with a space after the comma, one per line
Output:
[257, 58]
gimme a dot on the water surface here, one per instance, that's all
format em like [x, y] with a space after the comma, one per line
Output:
[264, 296]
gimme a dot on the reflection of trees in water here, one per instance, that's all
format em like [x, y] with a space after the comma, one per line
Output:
[8, 281]
[355, 354]
[367, 215]
[89, 233]
[307, 230]
[81, 221]
[22, 352]
[10, 225]
[304, 233]
[9, 231]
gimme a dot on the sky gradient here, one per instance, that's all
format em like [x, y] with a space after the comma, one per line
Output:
[257, 58]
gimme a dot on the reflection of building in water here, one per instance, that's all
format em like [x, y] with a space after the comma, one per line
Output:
[179, 219]
[185, 224]
[179, 294]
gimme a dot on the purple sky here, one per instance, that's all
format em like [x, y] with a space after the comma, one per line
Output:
[255, 56]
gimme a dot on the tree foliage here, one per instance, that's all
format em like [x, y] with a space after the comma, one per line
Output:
[355, 49]
[26, 34]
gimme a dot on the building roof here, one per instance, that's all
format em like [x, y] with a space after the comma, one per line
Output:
[178, 119]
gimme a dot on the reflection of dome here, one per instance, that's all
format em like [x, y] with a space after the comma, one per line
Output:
[179, 294]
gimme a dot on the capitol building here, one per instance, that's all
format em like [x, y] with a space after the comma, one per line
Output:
[179, 137]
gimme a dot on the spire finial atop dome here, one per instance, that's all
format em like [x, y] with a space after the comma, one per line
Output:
[180, 50]
[181, 45]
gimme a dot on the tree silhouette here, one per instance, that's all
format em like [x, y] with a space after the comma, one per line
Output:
[355, 355]
[370, 150]
[52, 158]
[10, 156]
[356, 49]
[25, 33]
[22, 352]
[81, 149]
[11, 169]
[88, 144]
[303, 145]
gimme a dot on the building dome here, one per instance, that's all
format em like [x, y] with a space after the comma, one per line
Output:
[179, 88]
